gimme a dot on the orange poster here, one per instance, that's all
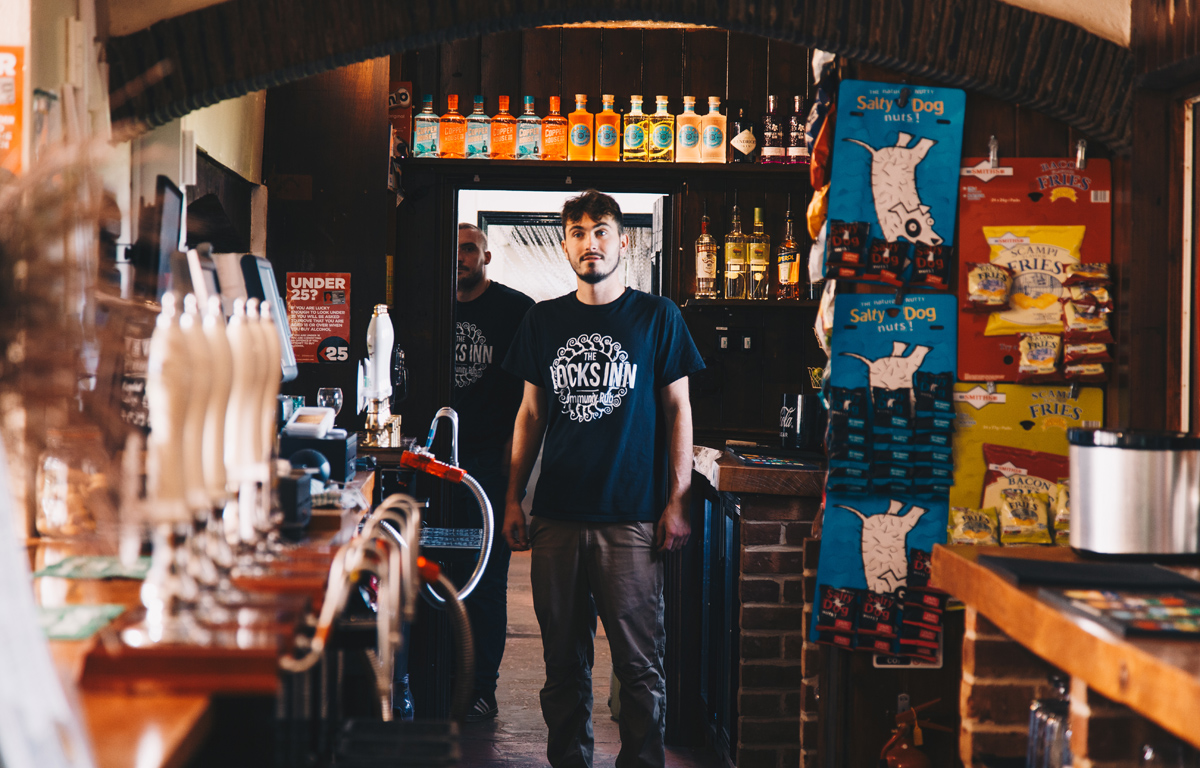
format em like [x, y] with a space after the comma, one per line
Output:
[12, 97]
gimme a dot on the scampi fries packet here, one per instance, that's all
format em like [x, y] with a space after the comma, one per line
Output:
[1038, 257]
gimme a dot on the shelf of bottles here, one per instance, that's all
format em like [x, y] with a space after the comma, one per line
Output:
[610, 136]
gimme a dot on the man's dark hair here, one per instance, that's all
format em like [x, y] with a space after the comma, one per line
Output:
[593, 204]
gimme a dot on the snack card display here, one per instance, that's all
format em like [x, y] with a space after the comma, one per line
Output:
[896, 167]
[1026, 192]
[1034, 417]
[979, 527]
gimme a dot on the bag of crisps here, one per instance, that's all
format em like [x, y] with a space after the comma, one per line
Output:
[1093, 273]
[1039, 357]
[1077, 354]
[1031, 471]
[987, 287]
[1038, 257]
[1062, 514]
[974, 526]
[1024, 517]
[1083, 327]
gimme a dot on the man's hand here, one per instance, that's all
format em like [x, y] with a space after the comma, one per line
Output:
[674, 528]
[514, 527]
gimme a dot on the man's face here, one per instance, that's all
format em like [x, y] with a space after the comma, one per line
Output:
[594, 248]
[471, 258]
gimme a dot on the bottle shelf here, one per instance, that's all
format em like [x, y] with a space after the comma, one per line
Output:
[764, 304]
[544, 167]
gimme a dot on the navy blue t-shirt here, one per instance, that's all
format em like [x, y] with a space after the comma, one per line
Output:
[485, 395]
[605, 453]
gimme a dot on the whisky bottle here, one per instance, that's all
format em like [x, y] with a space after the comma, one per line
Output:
[479, 132]
[425, 130]
[529, 133]
[554, 132]
[635, 132]
[706, 261]
[452, 130]
[581, 145]
[504, 133]
[687, 133]
[743, 145]
[735, 258]
[608, 131]
[797, 146]
[787, 261]
[662, 133]
[774, 136]
[758, 253]
[713, 126]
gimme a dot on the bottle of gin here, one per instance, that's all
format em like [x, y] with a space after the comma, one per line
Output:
[687, 133]
[713, 128]
[504, 133]
[758, 253]
[787, 261]
[662, 133]
[706, 261]
[452, 130]
[797, 145]
[529, 133]
[479, 132]
[735, 257]
[774, 134]
[554, 132]
[608, 132]
[581, 144]
[743, 145]
[635, 132]
[425, 130]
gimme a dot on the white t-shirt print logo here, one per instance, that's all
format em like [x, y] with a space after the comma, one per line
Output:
[472, 354]
[591, 375]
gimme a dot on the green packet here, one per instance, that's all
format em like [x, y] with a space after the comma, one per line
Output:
[95, 567]
[76, 622]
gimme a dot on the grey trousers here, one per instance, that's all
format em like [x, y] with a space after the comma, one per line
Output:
[584, 570]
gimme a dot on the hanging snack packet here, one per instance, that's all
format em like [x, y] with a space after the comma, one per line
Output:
[1038, 257]
[1092, 272]
[1086, 373]
[1024, 517]
[837, 609]
[885, 261]
[847, 243]
[974, 526]
[1090, 298]
[1084, 328]
[1039, 357]
[1029, 471]
[931, 266]
[1076, 354]
[988, 286]
[878, 614]
[1062, 514]
[934, 392]
[893, 408]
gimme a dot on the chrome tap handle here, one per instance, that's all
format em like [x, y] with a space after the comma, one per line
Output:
[448, 413]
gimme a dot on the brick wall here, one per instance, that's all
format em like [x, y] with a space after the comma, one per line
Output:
[777, 684]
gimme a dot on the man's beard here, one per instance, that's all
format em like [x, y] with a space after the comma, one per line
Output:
[595, 276]
[469, 280]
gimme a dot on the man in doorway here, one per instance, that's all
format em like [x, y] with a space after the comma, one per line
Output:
[486, 398]
[606, 383]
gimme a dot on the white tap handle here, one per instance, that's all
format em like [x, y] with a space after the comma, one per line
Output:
[167, 388]
[381, 340]
[242, 349]
[221, 364]
[272, 376]
[251, 422]
[200, 367]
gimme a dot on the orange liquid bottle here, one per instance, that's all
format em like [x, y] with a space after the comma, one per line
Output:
[453, 130]
[581, 138]
[504, 133]
[608, 132]
[554, 132]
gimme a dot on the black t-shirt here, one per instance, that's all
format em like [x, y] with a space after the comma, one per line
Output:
[485, 395]
[605, 453]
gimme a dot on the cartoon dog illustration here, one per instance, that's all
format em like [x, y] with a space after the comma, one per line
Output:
[894, 186]
[896, 370]
[884, 549]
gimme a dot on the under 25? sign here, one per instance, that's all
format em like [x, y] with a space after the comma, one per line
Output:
[318, 305]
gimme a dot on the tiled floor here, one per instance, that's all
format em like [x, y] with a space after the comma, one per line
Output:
[517, 737]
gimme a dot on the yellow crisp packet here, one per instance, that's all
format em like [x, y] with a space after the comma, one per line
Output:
[974, 526]
[1038, 258]
[1062, 515]
[1039, 356]
[1024, 517]
[987, 287]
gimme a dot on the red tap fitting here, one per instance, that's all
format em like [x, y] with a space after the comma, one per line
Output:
[431, 466]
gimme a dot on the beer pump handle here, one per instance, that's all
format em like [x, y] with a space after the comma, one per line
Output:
[200, 369]
[251, 422]
[168, 385]
[242, 351]
[272, 377]
[221, 365]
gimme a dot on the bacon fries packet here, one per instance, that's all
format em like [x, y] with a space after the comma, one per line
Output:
[988, 286]
[974, 526]
[1038, 257]
[1039, 357]
[1062, 514]
[1090, 298]
[1077, 354]
[1091, 273]
[1081, 327]
[1024, 517]
[1086, 373]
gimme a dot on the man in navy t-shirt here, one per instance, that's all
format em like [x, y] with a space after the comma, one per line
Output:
[486, 398]
[605, 372]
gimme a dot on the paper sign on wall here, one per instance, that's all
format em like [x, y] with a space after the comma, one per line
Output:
[318, 305]
[12, 101]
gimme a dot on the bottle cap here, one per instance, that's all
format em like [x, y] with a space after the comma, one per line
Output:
[427, 98]
[661, 99]
[689, 100]
[772, 103]
[636, 97]
[581, 98]
[478, 99]
[714, 101]
[555, 103]
[528, 99]
[503, 103]
[452, 102]
[608, 98]
[758, 215]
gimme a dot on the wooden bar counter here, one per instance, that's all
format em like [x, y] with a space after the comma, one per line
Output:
[1158, 679]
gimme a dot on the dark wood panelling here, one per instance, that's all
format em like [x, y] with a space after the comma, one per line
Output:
[1041, 136]
[987, 117]
[460, 73]
[789, 71]
[422, 67]
[662, 67]
[541, 66]
[747, 73]
[581, 56]
[500, 67]
[621, 65]
[705, 65]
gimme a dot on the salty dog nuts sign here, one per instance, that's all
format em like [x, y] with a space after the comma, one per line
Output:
[319, 316]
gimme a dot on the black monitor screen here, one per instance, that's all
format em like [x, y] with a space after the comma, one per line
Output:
[261, 285]
[168, 205]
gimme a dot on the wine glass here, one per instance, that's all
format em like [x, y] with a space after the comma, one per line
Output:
[330, 397]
